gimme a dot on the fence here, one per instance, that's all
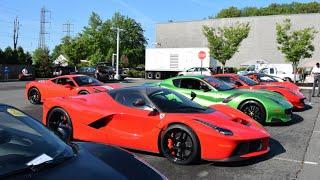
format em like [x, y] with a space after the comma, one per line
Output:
[14, 71]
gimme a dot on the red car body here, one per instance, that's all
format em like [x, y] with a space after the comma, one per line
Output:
[68, 87]
[100, 118]
[296, 98]
[265, 79]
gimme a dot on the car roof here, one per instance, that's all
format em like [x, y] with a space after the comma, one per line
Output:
[140, 89]
[226, 74]
[70, 76]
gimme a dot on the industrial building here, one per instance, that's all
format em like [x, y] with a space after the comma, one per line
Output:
[260, 44]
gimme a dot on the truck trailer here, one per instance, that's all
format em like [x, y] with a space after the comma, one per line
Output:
[163, 63]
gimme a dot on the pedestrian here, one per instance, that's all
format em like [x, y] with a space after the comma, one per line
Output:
[6, 73]
[316, 82]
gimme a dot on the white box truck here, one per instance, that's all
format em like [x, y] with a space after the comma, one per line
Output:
[167, 62]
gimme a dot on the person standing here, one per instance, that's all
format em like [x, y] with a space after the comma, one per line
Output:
[6, 73]
[316, 82]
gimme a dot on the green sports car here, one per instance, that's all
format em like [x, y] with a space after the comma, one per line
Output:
[263, 106]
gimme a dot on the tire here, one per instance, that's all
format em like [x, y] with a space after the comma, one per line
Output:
[59, 117]
[255, 110]
[83, 92]
[158, 75]
[179, 138]
[34, 96]
[149, 75]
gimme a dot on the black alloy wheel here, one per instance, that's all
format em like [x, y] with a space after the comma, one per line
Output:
[34, 96]
[180, 145]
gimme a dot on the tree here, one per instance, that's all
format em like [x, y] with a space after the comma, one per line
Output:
[229, 12]
[295, 45]
[223, 42]
[42, 62]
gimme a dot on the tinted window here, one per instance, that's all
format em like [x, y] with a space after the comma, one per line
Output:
[265, 78]
[190, 84]
[171, 102]
[271, 71]
[86, 81]
[247, 80]
[176, 82]
[64, 81]
[217, 84]
[227, 80]
[127, 98]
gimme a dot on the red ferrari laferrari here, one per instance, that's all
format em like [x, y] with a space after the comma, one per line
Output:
[158, 120]
[271, 80]
[68, 85]
[296, 98]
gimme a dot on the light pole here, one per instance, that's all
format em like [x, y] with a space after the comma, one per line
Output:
[118, 42]
[113, 55]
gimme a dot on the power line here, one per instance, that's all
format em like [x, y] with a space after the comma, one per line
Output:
[67, 28]
[43, 33]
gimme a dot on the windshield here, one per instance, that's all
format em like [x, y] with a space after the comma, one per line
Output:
[87, 81]
[217, 84]
[247, 80]
[265, 78]
[171, 102]
[22, 140]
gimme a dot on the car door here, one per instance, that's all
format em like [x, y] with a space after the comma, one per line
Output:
[136, 126]
[62, 86]
[187, 85]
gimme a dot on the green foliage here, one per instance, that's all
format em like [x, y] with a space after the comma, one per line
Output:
[136, 73]
[272, 9]
[295, 45]
[18, 56]
[42, 62]
[224, 41]
[97, 42]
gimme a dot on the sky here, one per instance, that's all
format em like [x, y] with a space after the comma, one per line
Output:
[77, 12]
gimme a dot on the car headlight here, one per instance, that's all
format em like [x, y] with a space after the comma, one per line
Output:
[220, 130]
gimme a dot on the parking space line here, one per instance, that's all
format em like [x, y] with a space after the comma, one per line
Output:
[296, 161]
[316, 131]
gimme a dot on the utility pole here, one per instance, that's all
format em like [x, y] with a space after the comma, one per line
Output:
[43, 22]
[117, 76]
[16, 27]
[67, 28]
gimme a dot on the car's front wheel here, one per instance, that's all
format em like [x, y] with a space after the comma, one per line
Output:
[34, 96]
[58, 120]
[255, 110]
[180, 144]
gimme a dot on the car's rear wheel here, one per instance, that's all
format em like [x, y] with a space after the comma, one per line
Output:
[59, 119]
[255, 110]
[180, 144]
[83, 92]
[34, 96]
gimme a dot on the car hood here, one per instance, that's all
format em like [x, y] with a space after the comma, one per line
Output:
[99, 162]
[222, 120]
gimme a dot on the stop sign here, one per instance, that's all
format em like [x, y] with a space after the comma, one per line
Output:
[202, 55]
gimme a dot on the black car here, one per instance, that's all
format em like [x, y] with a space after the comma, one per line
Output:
[64, 70]
[89, 71]
[30, 151]
[104, 73]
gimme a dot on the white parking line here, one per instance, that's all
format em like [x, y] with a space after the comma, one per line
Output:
[296, 161]
[316, 131]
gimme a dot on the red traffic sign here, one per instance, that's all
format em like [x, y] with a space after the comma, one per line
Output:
[202, 55]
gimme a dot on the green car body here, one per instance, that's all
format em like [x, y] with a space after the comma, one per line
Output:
[276, 107]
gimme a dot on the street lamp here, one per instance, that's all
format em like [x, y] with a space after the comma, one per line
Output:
[117, 76]
[113, 55]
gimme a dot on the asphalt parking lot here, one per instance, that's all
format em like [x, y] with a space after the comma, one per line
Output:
[295, 147]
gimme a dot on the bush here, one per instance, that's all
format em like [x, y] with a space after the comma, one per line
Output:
[135, 73]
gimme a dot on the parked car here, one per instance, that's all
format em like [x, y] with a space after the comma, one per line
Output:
[272, 80]
[263, 106]
[28, 150]
[196, 71]
[89, 71]
[68, 85]
[296, 98]
[104, 73]
[161, 121]
[61, 70]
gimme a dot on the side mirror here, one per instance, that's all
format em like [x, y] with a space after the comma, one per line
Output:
[64, 132]
[193, 95]
[139, 103]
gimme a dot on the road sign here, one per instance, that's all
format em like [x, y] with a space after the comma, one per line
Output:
[202, 55]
